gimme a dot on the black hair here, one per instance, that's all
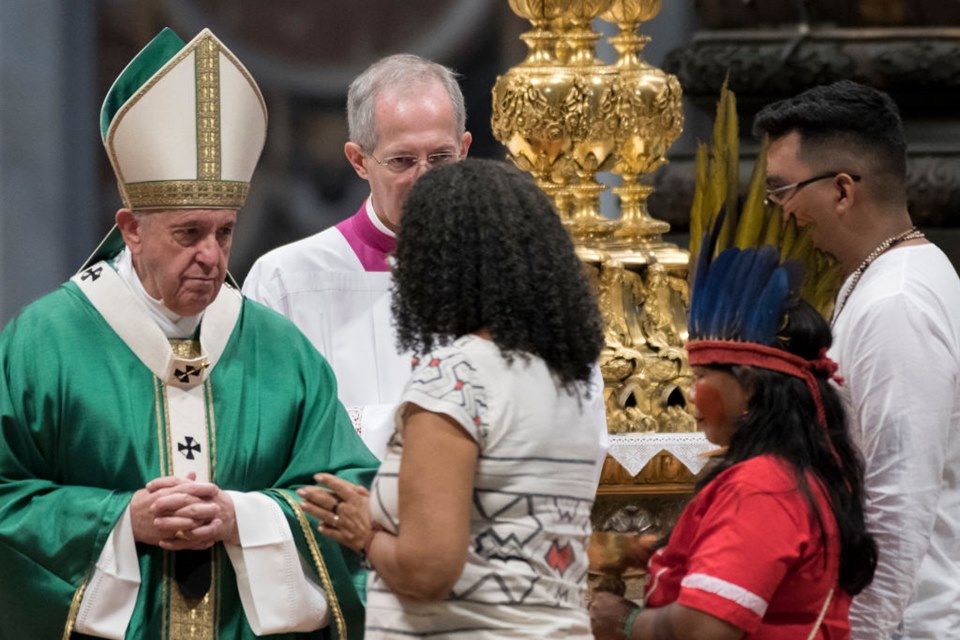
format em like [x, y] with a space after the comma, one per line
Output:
[843, 115]
[481, 247]
[782, 421]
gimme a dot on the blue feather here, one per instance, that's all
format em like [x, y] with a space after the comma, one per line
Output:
[738, 285]
[747, 289]
[708, 324]
[763, 322]
[708, 246]
[742, 294]
[699, 277]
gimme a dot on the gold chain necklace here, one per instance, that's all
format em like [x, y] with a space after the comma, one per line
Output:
[910, 234]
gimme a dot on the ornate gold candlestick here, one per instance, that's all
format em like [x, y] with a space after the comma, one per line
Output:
[651, 119]
[541, 41]
[564, 117]
[554, 112]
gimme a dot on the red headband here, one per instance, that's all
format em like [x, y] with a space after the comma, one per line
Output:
[752, 354]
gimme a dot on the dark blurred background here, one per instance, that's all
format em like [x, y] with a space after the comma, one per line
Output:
[58, 58]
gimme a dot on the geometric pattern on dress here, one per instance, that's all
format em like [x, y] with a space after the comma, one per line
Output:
[505, 543]
[568, 509]
[445, 374]
[494, 588]
[502, 540]
[559, 556]
[522, 554]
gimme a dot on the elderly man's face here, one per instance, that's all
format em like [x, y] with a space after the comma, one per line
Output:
[415, 122]
[180, 255]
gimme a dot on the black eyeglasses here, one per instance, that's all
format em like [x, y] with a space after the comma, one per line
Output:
[779, 195]
[401, 164]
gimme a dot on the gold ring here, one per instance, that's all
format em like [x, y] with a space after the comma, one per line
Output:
[180, 534]
[336, 519]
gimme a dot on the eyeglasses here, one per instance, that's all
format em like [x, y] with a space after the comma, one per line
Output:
[779, 195]
[401, 164]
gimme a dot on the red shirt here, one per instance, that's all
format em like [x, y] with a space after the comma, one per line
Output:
[748, 550]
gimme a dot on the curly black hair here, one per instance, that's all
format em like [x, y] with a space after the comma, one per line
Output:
[782, 421]
[481, 247]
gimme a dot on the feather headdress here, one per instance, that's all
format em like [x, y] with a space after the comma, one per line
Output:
[751, 266]
[715, 208]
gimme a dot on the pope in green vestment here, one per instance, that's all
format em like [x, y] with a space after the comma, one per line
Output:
[103, 403]
[82, 428]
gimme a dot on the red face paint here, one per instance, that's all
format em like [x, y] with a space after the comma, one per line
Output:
[720, 404]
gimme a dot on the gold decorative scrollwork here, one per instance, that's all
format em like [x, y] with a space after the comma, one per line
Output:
[564, 117]
[643, 363]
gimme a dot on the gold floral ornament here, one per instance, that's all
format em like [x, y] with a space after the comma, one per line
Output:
[650, 118]
[556, 112]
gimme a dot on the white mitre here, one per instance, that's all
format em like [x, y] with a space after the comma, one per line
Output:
[183, 126]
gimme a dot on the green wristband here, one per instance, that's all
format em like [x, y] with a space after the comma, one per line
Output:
[627, 629]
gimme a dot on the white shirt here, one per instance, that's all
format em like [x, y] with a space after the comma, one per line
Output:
[897, 340]
[536, 478]
[344, 310]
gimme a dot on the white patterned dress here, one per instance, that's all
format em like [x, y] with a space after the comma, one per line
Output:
[525, 575]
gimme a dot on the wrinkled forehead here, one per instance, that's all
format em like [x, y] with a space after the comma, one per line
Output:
[193, 217]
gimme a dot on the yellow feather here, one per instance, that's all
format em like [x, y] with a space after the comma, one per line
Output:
[699, 218]
[753, 219]
[718, 187]
[731, 133]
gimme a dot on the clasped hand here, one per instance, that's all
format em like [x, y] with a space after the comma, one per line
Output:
[176, 514]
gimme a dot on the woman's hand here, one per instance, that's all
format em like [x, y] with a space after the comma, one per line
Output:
[608, 614]
[615, 618]
[343, 509]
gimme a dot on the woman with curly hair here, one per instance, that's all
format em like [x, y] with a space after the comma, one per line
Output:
[481, 509]
[774, 544]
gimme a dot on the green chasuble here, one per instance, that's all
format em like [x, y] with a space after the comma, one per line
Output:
[84, 423]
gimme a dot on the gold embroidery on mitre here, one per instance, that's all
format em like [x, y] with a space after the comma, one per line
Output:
[207, 190]
[180, 194]
[208, 110]
[121, 114]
